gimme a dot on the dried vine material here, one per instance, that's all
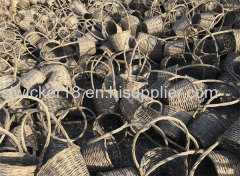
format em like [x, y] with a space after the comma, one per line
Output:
[169, 128]
[218, 162]
[86, 47]
[108, 122]
[11, 86]
[174, 47]
[187, 95]
[205, 20]
[102, 156]
[29, 137]
[182, 28]
[229, 140]
[207, 127]
[129, 171]
[160, 153]
[78, 7]
[105, 101]
[132, 23]
[153, 26]
[149, 44]
[67, 161]
[121, 41]
[226, 89]
[32, 79]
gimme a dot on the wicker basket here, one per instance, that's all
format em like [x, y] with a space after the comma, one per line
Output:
[102, 156]
[226, 89]
[29, 137]
[139, 108]
[174, 47]
[62, 77]
[32, 79]
[185, 97]
[68, 161]
[207, 127]
[153, 26]
[181, 27]
[129, 171]
[149, 44]
[32, 38]
[132, 23]
[78, 8]
[105, 101]
[112, 28]
[205, 20]
[16, 163]
[230, 139]
[107, 122]
[132, 82]
[57, 102]
[156, 81]
[121, 41]
[219, 163]
[170, 129]
[158, 154]
[86, 47]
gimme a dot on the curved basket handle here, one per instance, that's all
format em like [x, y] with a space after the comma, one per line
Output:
[220, 104]
[6, 132]
[147, 126]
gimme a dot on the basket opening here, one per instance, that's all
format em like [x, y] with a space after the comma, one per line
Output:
[110, 122]
[111, 28]
[206, 167]
[116, 17]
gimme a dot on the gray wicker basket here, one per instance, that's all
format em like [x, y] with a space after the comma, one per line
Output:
[150, 45]
[174, 47]
[170, 129]
[207, 127]
[69, 161]
[153, 26]
[102, 156]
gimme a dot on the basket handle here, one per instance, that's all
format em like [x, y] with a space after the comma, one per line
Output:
[6, 132]
[189, 137]
[220, 104]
